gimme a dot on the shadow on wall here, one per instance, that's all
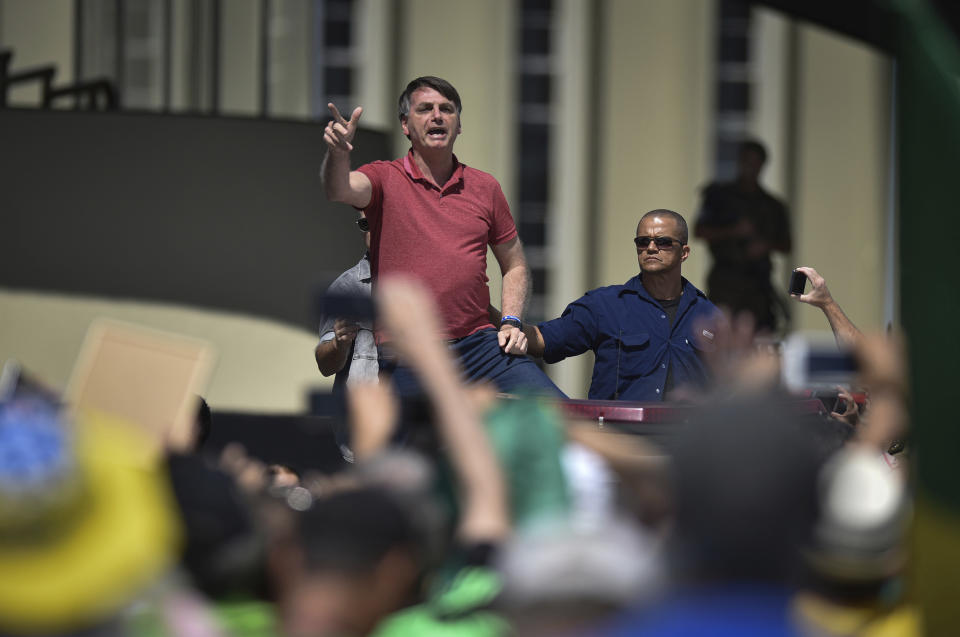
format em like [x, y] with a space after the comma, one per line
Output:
[221, 213]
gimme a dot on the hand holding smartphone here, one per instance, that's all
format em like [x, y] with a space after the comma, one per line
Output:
[798, 283]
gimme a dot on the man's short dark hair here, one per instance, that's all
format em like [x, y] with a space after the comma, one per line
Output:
[753, 146]
[440, 85]
[744, 475]
[676, 216]
[350, 532]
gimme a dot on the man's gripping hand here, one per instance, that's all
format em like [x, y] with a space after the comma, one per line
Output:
[339, 132]
[512, 340]
[344, 333]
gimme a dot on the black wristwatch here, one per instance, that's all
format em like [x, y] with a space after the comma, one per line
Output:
[511, 320]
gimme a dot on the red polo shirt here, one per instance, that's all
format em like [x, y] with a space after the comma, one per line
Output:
[438, 235]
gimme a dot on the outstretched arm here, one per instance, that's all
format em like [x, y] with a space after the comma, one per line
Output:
[535, 344]
[339, 182]
[406, 310]
[844, 330]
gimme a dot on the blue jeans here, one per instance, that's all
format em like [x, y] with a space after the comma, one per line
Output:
[481, 358]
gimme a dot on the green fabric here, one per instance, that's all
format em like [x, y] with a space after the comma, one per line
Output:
[472, 587]
[928, 118]
[461, 610]
[528, 440]
[247, 618]
[928, 110]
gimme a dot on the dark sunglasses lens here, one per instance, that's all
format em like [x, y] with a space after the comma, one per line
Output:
[364, 225]
[660, 242]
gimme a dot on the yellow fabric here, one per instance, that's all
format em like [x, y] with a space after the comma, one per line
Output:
[127, 536]
[829, 619]
[935, 554]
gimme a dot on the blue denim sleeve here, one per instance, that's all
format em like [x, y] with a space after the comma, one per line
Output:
[573, 333]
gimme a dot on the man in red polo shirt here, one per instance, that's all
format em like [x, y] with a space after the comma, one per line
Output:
[432, 217]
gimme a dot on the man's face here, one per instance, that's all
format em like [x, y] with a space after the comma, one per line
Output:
[364, 227]
[749, 165]
[655, 259]
[433, 122]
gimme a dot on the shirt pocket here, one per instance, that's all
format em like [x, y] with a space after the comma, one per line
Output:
[635, 355]
[700, 343]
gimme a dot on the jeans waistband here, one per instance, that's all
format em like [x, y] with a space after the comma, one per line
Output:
[454, 341]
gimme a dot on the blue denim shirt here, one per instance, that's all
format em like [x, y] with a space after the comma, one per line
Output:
[630, 334]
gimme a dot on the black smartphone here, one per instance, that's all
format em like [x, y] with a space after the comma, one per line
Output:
[798, 282]
[839, 405]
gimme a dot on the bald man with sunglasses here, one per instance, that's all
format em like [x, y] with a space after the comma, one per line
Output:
[642, 332]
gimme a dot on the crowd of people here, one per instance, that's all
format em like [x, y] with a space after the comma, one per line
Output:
[472, 503]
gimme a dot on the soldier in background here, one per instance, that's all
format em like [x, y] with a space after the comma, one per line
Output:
[744, 224]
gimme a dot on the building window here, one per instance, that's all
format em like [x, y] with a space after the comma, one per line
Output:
[534, 64]
[333, 56]
[732, 105]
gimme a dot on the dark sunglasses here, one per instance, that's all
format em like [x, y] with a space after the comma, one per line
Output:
[363, 224]
[662, 243]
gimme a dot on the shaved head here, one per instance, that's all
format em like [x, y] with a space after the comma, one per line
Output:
[678, 218]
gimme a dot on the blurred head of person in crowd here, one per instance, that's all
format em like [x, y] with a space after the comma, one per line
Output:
[859, 552]
[352, 559]
[85, 520]
[745, 488]
[563, 579]
[223, 552]
[750, 161]
[745, 503]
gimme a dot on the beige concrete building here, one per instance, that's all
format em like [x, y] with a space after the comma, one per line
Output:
[632, 130]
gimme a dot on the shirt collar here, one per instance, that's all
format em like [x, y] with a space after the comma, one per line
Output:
[688, 291]
[411, 168]
[363, 268]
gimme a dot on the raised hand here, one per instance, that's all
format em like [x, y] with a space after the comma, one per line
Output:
[851, 412]
[374, 412]
[339, 183]
[409, 314]
[883, 371]
[737, 365]
[819, 294]
[339, 132]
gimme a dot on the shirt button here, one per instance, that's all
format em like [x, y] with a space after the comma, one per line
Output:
[686, 341]
[663, 316]
[658, 390]
[663, 365]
